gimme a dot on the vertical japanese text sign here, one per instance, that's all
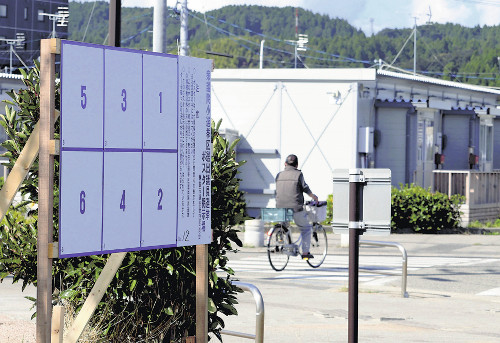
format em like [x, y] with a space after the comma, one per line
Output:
[135, 150]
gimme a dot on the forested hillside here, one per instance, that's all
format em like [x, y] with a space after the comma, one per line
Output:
[446, 51]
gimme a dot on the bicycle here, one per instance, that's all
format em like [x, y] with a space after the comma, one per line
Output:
[279, 239]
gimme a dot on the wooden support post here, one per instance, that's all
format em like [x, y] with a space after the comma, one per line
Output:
[57, 324]
[202, 293]
[95, 296]
[48, 49]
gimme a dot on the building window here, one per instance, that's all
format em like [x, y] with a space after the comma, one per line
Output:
[26, 13]
[40, 16]
[3, 11]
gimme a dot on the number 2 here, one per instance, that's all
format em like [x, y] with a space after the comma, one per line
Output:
[83, 102]
[160, 194]
[122, 202]
[124, 100]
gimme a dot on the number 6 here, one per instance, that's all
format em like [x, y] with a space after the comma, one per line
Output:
[82, 202]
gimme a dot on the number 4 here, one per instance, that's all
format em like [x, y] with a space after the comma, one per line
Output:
[122, 202]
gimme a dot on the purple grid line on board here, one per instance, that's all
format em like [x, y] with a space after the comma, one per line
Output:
[103, 140]
[60, 146]
[122, 150]
[142, 140]
[168, 151]
[177, 202]
[101, 252]
[82, 149]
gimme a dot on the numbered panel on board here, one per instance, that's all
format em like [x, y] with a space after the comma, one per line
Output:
[81, 210]
[123, 105]
[160, 102]
[82, 101]
[159, 199]
[122, 200]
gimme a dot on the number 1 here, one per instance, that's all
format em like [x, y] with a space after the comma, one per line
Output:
[160, 101]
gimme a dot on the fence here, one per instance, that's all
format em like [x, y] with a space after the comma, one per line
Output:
[480, 189]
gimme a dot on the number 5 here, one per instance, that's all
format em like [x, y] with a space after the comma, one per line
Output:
[83, 102]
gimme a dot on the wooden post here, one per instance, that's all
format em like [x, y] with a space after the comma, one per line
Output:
[202, 293]
[46, 189]
[57, 324]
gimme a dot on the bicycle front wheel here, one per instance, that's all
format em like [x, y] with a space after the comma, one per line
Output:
[319, 246]
[276, 248]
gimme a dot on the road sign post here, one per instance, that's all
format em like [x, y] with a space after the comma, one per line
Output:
[362, 204]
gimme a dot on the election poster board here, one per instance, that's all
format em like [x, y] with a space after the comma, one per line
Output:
[135, 150]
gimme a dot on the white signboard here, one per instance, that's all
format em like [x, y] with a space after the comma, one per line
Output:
[376, 207]
[135, 150]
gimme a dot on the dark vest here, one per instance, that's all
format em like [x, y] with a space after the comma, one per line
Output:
[289, 190]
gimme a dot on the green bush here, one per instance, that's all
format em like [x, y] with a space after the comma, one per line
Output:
[329, 210]
[152, 297]
[419, 209]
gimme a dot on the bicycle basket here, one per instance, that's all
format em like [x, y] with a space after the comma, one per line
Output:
[316, 214]
[276, 214]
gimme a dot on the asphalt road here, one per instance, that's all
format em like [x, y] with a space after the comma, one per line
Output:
[453, 285]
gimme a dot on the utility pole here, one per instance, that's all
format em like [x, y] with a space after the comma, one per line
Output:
[261, 64]
[415, 47]
[159, 24]
[184, 29]
[115, 7]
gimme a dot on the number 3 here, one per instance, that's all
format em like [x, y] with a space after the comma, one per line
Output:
[124, 101]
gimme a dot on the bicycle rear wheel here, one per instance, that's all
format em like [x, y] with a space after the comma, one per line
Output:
[276, 252]
[319, 246]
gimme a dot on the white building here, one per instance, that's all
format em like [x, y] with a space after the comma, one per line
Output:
[353, 118]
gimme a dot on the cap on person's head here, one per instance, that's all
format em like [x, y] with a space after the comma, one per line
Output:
[292, 160]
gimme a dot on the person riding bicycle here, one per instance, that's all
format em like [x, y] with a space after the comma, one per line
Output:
[290, 186]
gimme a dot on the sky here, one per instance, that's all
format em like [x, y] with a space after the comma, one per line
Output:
[370, 15]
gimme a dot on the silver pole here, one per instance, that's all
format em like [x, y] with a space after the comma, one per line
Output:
[11, 52]
[415, 48]
[159, 26]
[184, 29]
[261, 53]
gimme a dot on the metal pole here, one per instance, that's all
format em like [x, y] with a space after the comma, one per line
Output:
[415, 48]
[295, 55]
[11, 52]
[355, 226]
[184, 29]
[261, 53]
[159, 26]
[114, 22]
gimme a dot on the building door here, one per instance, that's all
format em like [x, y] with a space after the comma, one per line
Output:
[425, 148]
[391, 149]
[486, 143]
